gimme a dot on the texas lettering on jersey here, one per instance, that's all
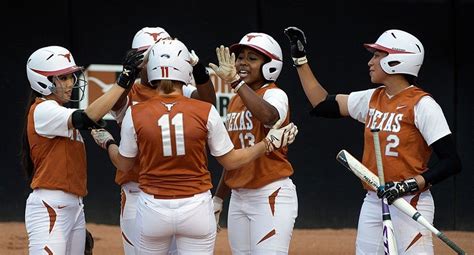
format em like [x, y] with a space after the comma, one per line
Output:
[238, 121]
[385, 121]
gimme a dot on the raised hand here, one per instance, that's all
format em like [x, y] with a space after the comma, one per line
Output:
[218, 202]
[200, 73]
[102, 138]
[194, 58]
[131, 68]
[281, 137]
[394, 190]
[226, 69]
[298, 45]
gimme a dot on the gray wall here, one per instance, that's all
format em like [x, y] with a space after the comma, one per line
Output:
[329, 196]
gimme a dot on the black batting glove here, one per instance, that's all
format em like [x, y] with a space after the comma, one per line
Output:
[131, 68]
[298, 45]
[394, 190]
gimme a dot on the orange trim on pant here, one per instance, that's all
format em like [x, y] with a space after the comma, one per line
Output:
[126, 239]
[46, 248]
[417, 237]
[271, 200]
[52, 216]
[123, 200]
[270, 234]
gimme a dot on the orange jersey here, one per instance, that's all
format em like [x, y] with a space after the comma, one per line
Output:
[139, 93]
[59, 162]
[403, 148]
[171, 136]
[245, 130]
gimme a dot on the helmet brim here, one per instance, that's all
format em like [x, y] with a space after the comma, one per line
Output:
[64, 71]
[372, 47]
[236, 48]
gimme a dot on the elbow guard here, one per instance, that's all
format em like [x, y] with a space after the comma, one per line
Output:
[81, 121]
[329, 108]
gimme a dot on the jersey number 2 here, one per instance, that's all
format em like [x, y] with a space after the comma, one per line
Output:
[393, 142]
[177, 122]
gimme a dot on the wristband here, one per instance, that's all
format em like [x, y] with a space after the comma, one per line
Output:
[235, 83]
[300, 61]
[108, 143]
[240, 84]
[200, 73]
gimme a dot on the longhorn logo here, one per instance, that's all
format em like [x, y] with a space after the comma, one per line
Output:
[154, 35]
[168, 106]
[251, 36]
[67, 55]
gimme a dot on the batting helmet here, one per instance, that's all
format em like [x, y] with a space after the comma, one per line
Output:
[148, 36]
[405, 52]
[51, 61]
[266, 45]
[169, 60]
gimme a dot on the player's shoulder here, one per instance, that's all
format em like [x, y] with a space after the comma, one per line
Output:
[197, 103]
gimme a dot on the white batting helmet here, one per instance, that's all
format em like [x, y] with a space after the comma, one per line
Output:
[266, 45]
[47, 62]
[405, 52]
[169, 60]
[148, 36]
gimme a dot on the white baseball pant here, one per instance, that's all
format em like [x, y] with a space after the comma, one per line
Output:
[260, 221]
[55, 222]
[412, 237]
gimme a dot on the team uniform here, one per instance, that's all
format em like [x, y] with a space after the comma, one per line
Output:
[129, 181]
[406, 123]
[168, 135]
[54, 215]
[263, 205]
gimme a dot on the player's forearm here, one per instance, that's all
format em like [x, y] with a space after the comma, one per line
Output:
[119, 161]
[260, 109]
[97, 109]
[238, 158]
[312, 88]
[121, 102]
[206, 92]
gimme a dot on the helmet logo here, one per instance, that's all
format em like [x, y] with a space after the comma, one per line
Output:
[154, 35]
[68, 56]
[251, 36]
[398, 49]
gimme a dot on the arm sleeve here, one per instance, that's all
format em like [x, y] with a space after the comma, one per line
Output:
[278, 99]
[449, 163]
[128, 137]
[188, 90]
[51, 119]
[430, 120]
[218, 139]
[358, 104]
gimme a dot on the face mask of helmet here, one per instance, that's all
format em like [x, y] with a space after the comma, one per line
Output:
[78, 88]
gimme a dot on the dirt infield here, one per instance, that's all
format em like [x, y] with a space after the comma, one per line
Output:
[13, 240]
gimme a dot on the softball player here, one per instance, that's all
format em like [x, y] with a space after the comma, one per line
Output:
[53, 151]
[263, 205]
[411, 125]
[140, 92]
[171, 132]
